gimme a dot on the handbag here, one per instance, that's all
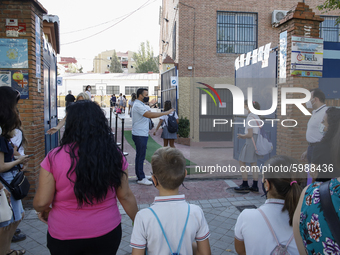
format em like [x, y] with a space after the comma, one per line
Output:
[329, 212]
[19, 186]
[5, 209]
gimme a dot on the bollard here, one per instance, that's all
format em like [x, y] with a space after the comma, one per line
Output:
[110, 117]
[116, 127]
[124, 153]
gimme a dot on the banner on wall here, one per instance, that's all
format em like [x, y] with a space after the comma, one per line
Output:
[17, 79]
[13, 53]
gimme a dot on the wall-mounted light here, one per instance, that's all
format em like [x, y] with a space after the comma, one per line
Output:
[166, 19]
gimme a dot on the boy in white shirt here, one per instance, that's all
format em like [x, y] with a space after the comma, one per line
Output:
[170, 225]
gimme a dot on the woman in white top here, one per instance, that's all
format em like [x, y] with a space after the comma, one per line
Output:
[168, 138]
[248, 153]
[257, 230]
[88, 91]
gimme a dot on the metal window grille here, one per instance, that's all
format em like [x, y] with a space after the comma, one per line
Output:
[236, 32]
[328, 30]
[132, 89]
[112, 90]
[93, 89]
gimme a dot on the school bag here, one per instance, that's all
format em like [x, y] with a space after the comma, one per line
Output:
[118, 110]
[166, 238]
[279, 249]
[172, 123]
[263, 145]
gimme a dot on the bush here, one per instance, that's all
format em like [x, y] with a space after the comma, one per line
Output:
[183, 127]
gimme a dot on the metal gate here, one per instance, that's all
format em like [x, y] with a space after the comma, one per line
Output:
[169, 92]
[50, 97]
[262, 80]
[214, 111]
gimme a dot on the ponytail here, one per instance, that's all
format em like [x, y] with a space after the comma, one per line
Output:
[287, 185]
[291, 200]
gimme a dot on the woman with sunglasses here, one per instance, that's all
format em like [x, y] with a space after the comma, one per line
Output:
[9, 121]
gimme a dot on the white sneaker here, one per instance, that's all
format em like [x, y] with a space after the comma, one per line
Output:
[144, 182]
[148, 177]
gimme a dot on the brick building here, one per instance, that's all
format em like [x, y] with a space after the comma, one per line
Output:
[25, 23]
[205, 37]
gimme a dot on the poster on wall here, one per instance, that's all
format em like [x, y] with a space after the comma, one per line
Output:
[13, 53]
[306, 57]
[17, 79]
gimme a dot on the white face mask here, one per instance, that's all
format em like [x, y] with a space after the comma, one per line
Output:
[309, 104]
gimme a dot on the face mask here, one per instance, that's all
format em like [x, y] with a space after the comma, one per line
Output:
[146, 99]
[309, 104]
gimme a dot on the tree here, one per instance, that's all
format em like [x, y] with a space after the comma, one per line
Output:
[145, 60]
[116, 66]
[330, 5]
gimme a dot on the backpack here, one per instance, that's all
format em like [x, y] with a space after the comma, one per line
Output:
[151, 124]
[279, 249]
[166, 238]
[263, 145]
[118, 110]
[172, 123]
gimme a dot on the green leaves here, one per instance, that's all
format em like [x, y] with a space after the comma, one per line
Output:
[145, 60]
[330, 5]
[115, 66]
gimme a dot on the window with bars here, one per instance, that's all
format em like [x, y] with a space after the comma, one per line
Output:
[93, 89]
[132, 89]
[112, 90]
[328, 30]
[236, 32]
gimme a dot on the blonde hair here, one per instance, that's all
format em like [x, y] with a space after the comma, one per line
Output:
[83, 95]
[168, 166]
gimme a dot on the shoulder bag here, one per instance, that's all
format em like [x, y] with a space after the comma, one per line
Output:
[19, 186]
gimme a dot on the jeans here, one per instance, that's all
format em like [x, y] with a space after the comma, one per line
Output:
[140, 142]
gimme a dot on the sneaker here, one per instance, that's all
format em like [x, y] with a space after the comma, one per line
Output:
[18, 238]
[144, 182]
[254, 189]
[148, 177]
[242, 188]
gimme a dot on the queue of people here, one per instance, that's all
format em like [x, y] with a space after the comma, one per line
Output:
[82, 180]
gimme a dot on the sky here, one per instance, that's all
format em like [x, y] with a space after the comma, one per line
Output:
[83, 18]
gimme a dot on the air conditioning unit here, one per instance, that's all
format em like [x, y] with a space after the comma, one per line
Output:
[278, 15]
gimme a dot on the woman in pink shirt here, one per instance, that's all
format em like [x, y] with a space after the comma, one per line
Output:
[82, 179]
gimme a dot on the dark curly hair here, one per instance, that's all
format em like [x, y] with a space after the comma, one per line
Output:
[95, 158]
[333, 119]
[9, 117]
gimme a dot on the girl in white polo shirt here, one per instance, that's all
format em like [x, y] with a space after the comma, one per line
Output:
[257, 230]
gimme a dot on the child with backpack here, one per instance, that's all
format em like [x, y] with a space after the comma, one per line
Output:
[170, 225]
[248, 152]
[170, 126]
[268, 229]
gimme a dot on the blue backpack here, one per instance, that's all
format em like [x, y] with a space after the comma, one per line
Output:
[172, 123]
[166, 238]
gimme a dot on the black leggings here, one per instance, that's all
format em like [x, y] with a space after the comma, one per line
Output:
[103, 245]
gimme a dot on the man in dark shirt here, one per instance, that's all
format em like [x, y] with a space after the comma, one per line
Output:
[113, 100]
[69, 98]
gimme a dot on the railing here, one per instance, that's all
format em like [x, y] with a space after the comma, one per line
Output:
[122, 118]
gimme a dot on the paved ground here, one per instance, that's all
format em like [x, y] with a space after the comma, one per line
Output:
[213, 193]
